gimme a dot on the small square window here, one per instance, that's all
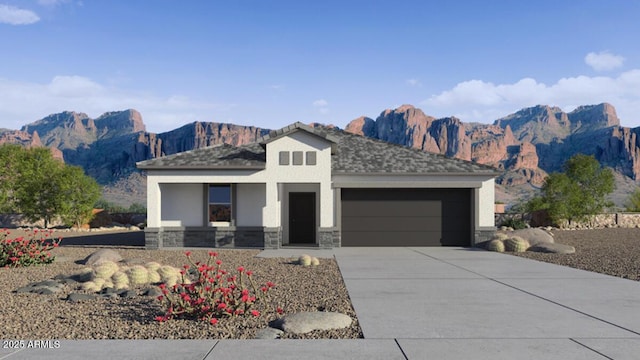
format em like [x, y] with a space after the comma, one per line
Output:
[284, 158]
[311, 158]
[297, 158]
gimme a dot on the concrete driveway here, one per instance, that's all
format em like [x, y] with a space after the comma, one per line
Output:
[456, 303]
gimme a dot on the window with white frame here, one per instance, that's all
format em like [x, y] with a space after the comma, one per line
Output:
[220, 203]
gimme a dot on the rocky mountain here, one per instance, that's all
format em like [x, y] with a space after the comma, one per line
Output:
[109, 146]
[526, 145]
[27, 140]
[70, 130]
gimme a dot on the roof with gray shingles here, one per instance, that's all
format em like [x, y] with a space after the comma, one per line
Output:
[354, 154]
[298, 126]
[223, 156]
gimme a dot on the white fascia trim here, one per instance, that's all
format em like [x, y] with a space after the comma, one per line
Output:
[409, 184]
[487, 175]
[409, 181]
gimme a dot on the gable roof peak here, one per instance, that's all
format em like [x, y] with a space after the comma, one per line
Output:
[290, 129]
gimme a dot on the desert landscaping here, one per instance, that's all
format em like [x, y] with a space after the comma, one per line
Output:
[131, 314]
[608, 251]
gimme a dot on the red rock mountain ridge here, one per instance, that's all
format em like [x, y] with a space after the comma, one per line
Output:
[526, 145]
[26, 140]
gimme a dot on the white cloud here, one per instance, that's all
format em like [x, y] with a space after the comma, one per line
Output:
[603, 60]
[320, 103]
[477, 100]
[74, 87]
[413, 82]
[52, 2]
[15, 16]
[322, 106]
[24, 102]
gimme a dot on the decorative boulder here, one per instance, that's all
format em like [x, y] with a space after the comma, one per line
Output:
[268, 334]
[304, 322]
[534, 236]
[46, 287]
[102, 255]
[553, 248]
[76, 297]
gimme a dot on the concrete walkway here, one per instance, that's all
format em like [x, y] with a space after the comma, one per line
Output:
[433, 303]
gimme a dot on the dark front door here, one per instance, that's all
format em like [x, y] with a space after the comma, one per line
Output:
[302, 218]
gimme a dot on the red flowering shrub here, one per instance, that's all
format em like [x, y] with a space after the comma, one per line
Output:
[214, 293]
[34, 249]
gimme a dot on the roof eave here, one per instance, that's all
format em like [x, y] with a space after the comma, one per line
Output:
[493, 174]
[201, 167]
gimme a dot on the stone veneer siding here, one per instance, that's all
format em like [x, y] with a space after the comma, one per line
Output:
[212, 237]
[483, 234]
[272, 237]
[328, 238]
[250, 237]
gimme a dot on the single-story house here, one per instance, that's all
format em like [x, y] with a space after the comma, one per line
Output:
[318, 187]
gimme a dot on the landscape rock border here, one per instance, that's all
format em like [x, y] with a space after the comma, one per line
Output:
[529, 239]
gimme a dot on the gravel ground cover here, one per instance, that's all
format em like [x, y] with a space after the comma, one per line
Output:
[34, 316]
[609, 251]
[31, 316]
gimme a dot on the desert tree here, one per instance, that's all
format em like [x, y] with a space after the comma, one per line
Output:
[633, 203]
[11, 158]
[39, 196]
[40, 187]
[79, 193]
[576, 193]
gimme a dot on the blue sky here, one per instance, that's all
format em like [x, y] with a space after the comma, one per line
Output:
[271, 63]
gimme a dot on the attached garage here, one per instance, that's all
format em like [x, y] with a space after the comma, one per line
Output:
[406, 217]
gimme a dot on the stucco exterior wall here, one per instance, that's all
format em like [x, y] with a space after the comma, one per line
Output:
[250, 204]
[182, 205]
[320, 173]
[267, 183]
[153, 202]
[485, 206]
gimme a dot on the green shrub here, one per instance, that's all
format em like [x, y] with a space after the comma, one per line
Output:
[515, 223]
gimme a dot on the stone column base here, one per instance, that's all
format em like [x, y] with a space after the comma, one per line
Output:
[483, 234]
[328, 238]
[272, 237]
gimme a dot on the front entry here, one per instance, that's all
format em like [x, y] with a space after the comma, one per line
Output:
[302, 218]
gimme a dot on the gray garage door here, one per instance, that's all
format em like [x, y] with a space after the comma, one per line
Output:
[406, 217]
